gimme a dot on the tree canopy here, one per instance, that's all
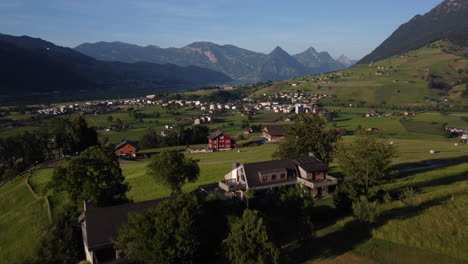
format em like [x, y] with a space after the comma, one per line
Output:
[365, 161]
[173, 169]
[309, 135]
[94, 175]
[165, 234]
[248, 241]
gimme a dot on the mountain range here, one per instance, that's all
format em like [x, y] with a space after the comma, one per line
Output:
[240, 64]
[448, 21]
[34, 66]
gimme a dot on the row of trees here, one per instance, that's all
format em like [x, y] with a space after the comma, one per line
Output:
[58, 136]
[177, 136]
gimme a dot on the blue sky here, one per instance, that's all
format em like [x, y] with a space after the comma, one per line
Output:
[352, 27]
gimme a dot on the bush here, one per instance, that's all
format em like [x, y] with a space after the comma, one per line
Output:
[409, 196]
[365, 211]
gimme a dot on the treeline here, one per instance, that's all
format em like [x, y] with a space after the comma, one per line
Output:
[178, 135]
[55, 138]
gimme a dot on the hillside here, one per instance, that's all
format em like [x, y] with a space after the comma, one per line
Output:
[436, 73]
[33, 66]
[446, 21]
[240, 64]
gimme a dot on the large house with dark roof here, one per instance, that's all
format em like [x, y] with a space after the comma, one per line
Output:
[275, 133]
[309, 171]
[127, 148]
[220, 141]
[100, 224]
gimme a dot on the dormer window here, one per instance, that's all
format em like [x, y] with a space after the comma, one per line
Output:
[265, 178]
[274, 177]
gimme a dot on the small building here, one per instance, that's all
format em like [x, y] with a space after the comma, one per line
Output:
[309, 171]
[220, 141]
[127, 148]
[275, 133]
[99, 225]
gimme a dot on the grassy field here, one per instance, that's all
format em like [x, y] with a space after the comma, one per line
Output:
[403, 84]
[23, 219]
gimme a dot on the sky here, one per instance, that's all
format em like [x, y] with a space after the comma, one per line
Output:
[350, 27]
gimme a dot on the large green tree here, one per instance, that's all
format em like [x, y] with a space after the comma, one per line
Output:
[94, 175]
[365, 160]
[165, 234]
[308, 135]
[81, 135]
[248, 241]
[173, 169]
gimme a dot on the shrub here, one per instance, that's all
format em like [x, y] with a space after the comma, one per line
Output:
[409, 196]
[365, 211]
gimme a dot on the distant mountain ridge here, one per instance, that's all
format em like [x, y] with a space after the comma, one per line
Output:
[240, 64]
[35, 66]
[448, 20]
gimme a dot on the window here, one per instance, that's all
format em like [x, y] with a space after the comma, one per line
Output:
[274, 177]
[221, 137]
[228, 141]
[283, 175]
[121, 152]
[265, 178]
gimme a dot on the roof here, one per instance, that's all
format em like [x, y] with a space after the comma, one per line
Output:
[252, 170]
[125, 142]
[311, 164]
[215, 134]
[277, 130]
[102, 222]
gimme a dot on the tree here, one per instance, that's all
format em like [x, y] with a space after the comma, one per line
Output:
[248, 241]
[165, 234]
[94, 175]
[82, 136]
[308, 135]
[110, 118]
[173, 169]
[62, 241]
[365, 161]
[150, 139]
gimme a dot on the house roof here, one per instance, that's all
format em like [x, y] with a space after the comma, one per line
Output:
[252, 170]
[215, 134]
[125, 142]
[102, 222]
[277, 130]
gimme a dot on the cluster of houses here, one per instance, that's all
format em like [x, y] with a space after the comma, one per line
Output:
[458, 133]
[374, 113]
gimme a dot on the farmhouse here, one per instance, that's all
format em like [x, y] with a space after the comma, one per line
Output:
[99, 225]
[309, 171]
[275, 133]
[220, 141]
[127, 148]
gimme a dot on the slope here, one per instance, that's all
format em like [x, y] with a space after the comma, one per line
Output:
[446, 21]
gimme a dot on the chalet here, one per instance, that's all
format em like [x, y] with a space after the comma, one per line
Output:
[309, 171]
[275, 133]
[127, 148]
[99, 225]
[220, 141]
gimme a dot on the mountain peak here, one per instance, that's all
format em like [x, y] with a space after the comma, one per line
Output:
[279, 51]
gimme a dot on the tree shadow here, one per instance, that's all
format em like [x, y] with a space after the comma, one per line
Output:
[351, 234]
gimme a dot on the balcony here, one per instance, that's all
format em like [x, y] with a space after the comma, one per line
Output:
[329, 181]
[231, 185]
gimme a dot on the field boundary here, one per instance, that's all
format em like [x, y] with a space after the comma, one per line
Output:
[38, 197]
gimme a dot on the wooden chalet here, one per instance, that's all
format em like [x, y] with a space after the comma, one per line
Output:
[275, 133]
[127, 148]
[309, 171]
[220, 141]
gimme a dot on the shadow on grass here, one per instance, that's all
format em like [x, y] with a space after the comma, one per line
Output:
[350, 235]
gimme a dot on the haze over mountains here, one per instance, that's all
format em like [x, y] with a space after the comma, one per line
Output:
[32, 65]
[240, 64]
[448, 20]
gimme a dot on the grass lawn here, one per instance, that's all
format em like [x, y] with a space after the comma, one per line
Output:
[23, 220]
